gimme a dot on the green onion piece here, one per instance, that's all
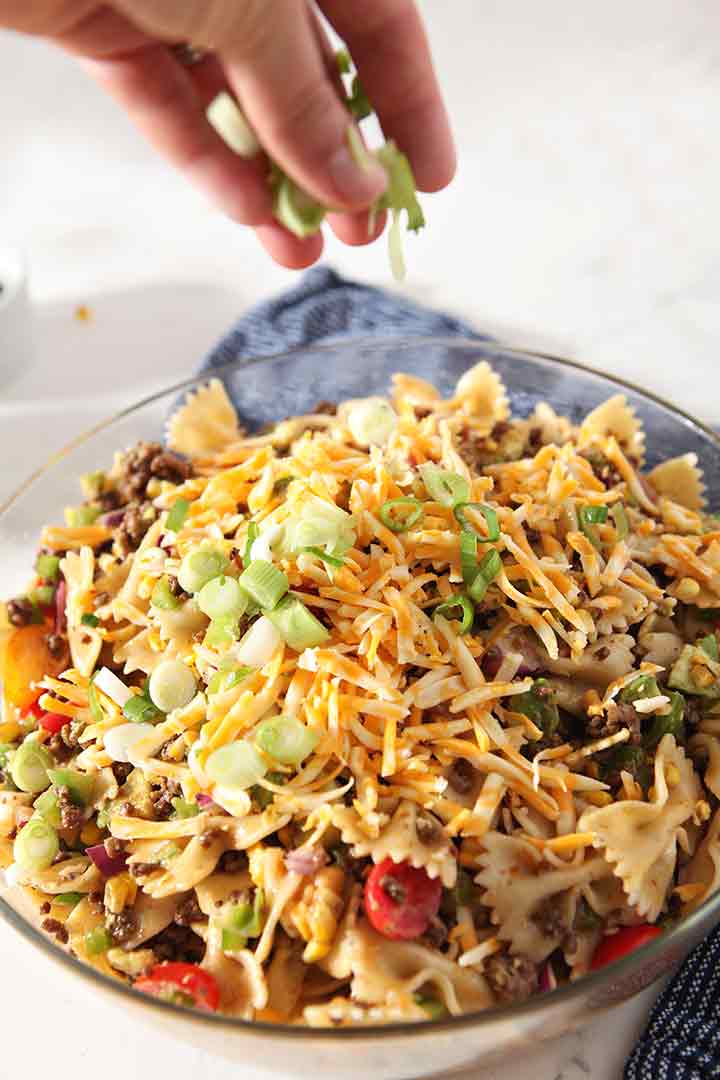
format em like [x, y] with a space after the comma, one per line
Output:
[709, 645]
[491, 519]
[358, 102]
[297, 625]
[371, 421]
[42, 596]
[236, 765]
[92, 484]
[222, 632]
[261, 795]
[228, 119]
[89, 620]
[78, 516]
[94, 702]
[70, 899]
[36, 845]
[538, 704]
[97, 941]
[252, 535]
[632, 759]
[264, 583]
[233, 940]
[48, 807]
[588, 517]
[163, 597]
[225, 680]
[176, 515]
[222, 598]
[172, 686]
[434, 1008]
[319, 523]
[457, 602]
[80, 786]
[6, 750]
[199, 567]
[644, 686]
[443, 486]
[669, 724]
[323, 555]
[286, 739]
[167, 853]
[29, 767]
[401, 192]
[619, 516]
[489, 568]
[140, 710]
[399, 515]
[47, 567]
[184, 809]
[468, 556]
[342, 59]
[294, 208]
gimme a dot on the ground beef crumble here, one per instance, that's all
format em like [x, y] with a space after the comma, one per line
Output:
[56, 928]
[71, 816]
[617, 717]
[142, 463]
[512, 978]
[232, 862]
[177, 943]
[189, 912]
[20, 611]
[121, 927]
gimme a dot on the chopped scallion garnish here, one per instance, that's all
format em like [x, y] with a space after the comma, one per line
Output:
[88, 619]
[331, 560]
[444, 486]
[619, 516]
[47, 567]
[297, 625]
[488, 569]
[252, 535]
[163, 597]
[588, 517]
[457, 607]
[491, 519]
[264, 583]
[176, 515]
[399, 515]
[286, 739]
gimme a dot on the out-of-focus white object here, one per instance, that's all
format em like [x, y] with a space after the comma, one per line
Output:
[15, 317]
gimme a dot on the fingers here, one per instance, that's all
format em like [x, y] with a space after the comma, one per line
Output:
[161, 98]
[353, 229]
[390, 49]
[288, 250]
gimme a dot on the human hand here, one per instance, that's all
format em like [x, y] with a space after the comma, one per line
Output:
[276, 60]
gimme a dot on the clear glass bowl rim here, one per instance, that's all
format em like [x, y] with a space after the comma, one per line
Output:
[539, 1003]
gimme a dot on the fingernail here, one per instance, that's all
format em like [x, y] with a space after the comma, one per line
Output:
[355, 185]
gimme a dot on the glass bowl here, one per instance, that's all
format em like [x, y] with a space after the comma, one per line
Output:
[269, 389]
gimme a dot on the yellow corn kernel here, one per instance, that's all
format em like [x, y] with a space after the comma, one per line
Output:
[317, 913]
[598, 798]
[120, 892]
[702, 811]
[90, 834]
[686, 589]
[672, 775]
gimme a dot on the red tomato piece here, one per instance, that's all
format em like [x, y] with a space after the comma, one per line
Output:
[53, 722]
[33, 710]
[401, 900]
[615, 946]
[185, 984]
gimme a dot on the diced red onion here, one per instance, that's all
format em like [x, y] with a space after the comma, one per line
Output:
[108, 865]
[204, 801]
[113, 517]
[60, 602]
[513, 642]
[548, 979]
[305, 861]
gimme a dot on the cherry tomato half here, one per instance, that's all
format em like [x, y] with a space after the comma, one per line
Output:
[33, 710]
[615, 946]
[185, 984]
[52, 722]
[401, 900]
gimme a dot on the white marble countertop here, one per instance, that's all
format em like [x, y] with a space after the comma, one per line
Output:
[584, 220]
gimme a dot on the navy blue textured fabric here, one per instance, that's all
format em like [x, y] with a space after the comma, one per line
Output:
[325, 307]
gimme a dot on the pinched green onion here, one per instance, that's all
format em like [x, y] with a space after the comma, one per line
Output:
[299, 212]
[36, 845]
[488, 569]
[399, 515]
[163, 597]
[468, 556]
[48, 807]
[252, 535]
[97, 941]
[342, 59]
[447, 488]
[236, 765]
[331, 560]
[458, 603]
[264, 583]
[78, 516]
[297, 625]
[199, 567]
[80, 786]
[176, 515]
[140, 710]
[172, 686]
[231, 124]
[183, 808]
[47, 567]
[401, 192]
[588, 517]
[619, 516]
[42, 596]
[286, 739]
[226, 680]
[29, 766]
[709, 645]
[222, 598]
[491, 520]
[88, 619]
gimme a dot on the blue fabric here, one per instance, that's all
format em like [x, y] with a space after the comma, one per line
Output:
[682, 1040]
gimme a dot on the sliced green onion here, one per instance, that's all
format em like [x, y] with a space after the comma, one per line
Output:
[29, 767]
[342, 59]
[80, 786]
[69, 899]
[222, 632]
[42, 596]
[172, 686]
[709, 645]
[588, 517]
[89, 620]
[489, 568]
[297, 625]
[264, 583]
[183, 808]
[236, 765]
[199, 567]
[538, 704]
[443, 486]
[252, 535]
[243, 921]
[468, 556]
[163, 597]
[97, 941]
[261, 795]
[231, 124]
[319, 523]
[47, 567]
[94, 702]
[300, 213]
[222, 598]
[645, 686]
[671, 723]
[48, 807]
[371, 421]
[6, 750]
[286, 739]
[78, 516]
[140, 710]
[176, 515]
[358, 102]
[434, 1008]
[491, 519]
[167, 853]
[399, 515]
[450, 607]
[401, 192]
[225, 680]
[323, 555]
[36, 845]
[92, 484]
[619, 516]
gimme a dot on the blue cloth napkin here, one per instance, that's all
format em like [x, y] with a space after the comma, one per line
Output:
[682, 1040]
